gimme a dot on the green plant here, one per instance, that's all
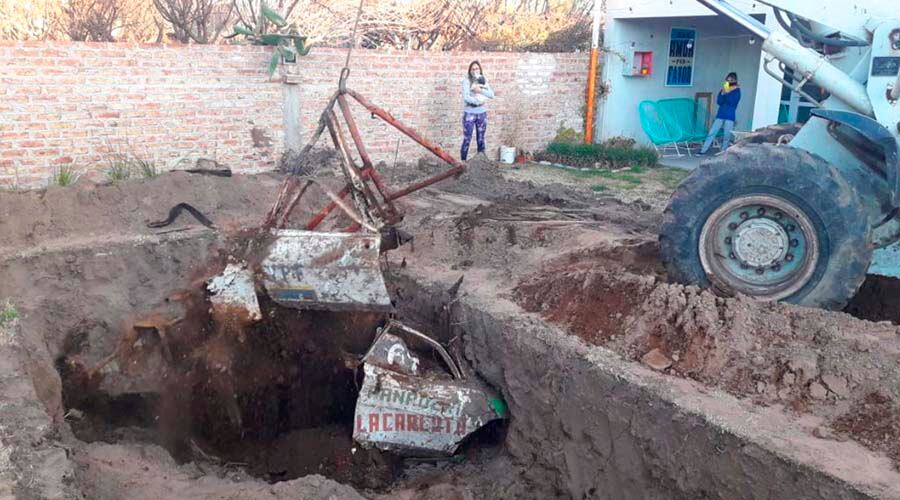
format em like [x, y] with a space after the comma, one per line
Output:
[631, 179]
[671, 177]
[598, 188]
[288, 45]
[565, 135]
[65, 175]
[640, 156]
[8, 313]
[119, 168]
[609, 174]
[147, 169]
[619, 142]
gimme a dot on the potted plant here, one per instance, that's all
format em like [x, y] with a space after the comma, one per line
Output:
[288, 43]
[523, 157]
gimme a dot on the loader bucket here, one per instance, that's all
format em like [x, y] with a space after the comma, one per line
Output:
[325, 271]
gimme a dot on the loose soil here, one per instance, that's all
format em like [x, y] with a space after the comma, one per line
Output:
[615, 295]
[638, 185]
[59, 215]
[222, 410]
[875, 422]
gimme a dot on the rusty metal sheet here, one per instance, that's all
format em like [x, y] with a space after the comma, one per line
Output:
[403, 409]
[234, 288]
[326, 271]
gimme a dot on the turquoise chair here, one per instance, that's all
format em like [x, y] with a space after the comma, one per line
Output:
[682, 115]
[659, 127]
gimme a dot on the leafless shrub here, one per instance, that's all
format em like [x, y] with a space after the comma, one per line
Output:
[198, 21]
[91, 20]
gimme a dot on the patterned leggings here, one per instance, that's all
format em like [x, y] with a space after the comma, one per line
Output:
[478, 123]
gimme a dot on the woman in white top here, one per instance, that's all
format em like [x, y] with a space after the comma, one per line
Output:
[476, 92]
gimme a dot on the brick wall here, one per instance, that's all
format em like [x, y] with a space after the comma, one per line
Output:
[84, 104]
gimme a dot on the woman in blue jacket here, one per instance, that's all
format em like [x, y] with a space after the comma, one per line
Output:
[728, 100]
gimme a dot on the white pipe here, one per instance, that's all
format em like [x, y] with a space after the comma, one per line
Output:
[807, 63]
[595, 28]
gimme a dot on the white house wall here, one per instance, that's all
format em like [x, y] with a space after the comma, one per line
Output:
[721, 47]
[768, 90]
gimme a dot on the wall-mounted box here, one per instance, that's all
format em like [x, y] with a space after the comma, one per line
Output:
[638, 63]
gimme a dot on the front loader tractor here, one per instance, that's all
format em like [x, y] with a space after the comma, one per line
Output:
[803, 222]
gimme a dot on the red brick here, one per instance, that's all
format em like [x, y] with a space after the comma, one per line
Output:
[45, 152]
[172, 104]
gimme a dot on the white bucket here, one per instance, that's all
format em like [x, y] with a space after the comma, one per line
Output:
[507, 155]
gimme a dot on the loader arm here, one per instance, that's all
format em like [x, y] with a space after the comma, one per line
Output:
[800, 222]
[865, 89]
[849, 19]
[804, 61]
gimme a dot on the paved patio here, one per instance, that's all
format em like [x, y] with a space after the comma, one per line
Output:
[684, 162]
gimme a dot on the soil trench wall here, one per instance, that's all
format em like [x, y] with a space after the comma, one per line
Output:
[585, 424]
[87, 104]
[588, 424]
[80, 293]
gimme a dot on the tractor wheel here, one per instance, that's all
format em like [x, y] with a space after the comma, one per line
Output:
[774, 223]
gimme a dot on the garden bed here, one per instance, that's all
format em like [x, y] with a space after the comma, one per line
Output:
[615, 155]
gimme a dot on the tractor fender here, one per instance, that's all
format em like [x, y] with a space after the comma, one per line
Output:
[879, 135]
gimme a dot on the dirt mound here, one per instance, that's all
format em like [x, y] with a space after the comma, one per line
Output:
[771, 135]
[484, 179]
[33, 218]
[275, 400]
[317, 160]
[812, 361]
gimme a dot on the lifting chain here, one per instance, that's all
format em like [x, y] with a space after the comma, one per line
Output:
[345, 71]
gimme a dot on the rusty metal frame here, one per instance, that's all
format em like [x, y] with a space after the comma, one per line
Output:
[378, 209]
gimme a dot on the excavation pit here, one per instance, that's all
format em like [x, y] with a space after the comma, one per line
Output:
[280, 401]
[266, 404]
[556, 310]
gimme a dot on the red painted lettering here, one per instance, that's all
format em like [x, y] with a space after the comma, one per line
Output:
[412, 423]
[387, 426]
[461, 426]
[449, 429]
[436, 424]
[359, 427]
[400, 422]
[373, 422]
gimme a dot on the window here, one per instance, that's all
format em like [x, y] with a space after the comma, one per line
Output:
[794, 107]
[681, 58]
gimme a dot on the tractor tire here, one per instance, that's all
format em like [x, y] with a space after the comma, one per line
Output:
[774, 223]
[771, 134]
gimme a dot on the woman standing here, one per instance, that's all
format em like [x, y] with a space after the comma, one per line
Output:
[476, 92]
[728, 100]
